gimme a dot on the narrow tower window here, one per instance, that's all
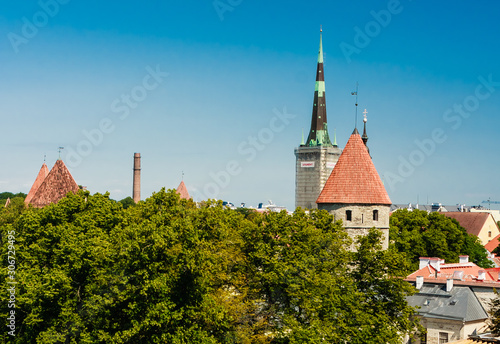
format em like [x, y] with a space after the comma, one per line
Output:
[375, 215]
[348, 215]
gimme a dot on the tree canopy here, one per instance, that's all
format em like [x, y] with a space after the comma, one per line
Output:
[169, 270]
[421, 234]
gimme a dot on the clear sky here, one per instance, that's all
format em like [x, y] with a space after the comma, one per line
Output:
[221, 90]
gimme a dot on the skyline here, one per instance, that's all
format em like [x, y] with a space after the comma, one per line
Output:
[221, 92]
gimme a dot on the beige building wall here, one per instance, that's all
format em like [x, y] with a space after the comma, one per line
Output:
[489, 231]
[456, 330]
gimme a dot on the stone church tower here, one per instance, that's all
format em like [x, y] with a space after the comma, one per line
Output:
[354, 192]
[316, 157]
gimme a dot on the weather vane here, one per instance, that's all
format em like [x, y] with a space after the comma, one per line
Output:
[364, 115]
[355, 93]
[60, 149]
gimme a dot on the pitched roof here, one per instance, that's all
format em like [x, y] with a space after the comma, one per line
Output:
[459, 303]
[472, 222]
[492, 244]
[354, 179]
[42, 174]
[56, 185]
[182, 191]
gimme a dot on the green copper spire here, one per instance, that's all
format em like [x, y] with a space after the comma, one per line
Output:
[318, 135]
[335, 137]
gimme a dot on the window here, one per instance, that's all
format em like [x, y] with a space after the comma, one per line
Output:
[375, 215]
[443, 337]
[348, 215]
[489, 234]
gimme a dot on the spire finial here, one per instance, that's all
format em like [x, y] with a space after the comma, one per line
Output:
[364, 115]
[182, 178]
[60, 149]
[321, 28]
[335, 137]
[44, 158]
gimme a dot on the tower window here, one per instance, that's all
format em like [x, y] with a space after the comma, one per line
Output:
[375, 215]
[348, 215]
[489, 234]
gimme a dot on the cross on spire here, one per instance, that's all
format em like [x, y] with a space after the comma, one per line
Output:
[364, 115]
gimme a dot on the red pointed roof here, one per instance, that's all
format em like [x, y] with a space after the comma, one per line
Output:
[55, 186]
[182, 191]
[42, 174]
[354, 179]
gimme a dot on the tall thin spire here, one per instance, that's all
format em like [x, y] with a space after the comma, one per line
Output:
[318, 135]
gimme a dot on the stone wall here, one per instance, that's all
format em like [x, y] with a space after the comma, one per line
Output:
[362, 218]
[313, 166]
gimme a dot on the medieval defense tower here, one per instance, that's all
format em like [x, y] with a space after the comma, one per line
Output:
[316, 157]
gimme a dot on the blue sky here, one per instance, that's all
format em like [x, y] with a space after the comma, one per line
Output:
[222, 91]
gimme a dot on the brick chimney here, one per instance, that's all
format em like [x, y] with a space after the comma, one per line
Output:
[481, 275]
[136, 192]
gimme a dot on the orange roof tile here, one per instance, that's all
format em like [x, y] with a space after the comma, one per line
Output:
[42, 174]
[56, 185]
[492, 244]
[470, 272]
[182, 191]
[354, 179]
[472, 222]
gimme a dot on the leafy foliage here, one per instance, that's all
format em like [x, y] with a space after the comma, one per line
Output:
[5, 195]
[421, 234]
[169, 270]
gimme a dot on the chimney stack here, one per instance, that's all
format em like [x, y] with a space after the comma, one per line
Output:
[449, 284]
[419, 282]
[463, 259]
[136, 192]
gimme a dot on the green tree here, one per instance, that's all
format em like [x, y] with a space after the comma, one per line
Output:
[127, 202]
[169, 270]
[421, 234]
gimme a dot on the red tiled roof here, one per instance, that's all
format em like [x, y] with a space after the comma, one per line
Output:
[354, 179]
[42, 174]
[492, 244]
[182, 191]
[55, 186]
[470, 272]
[472, 222]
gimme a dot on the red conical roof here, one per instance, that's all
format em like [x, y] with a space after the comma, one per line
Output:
[55, 186]
[183, 191]
[44, 171]
[354, 179]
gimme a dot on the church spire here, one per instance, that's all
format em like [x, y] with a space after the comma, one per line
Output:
[318, 135]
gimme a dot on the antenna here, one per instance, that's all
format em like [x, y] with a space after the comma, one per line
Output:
[60, 149]
[355, 93]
